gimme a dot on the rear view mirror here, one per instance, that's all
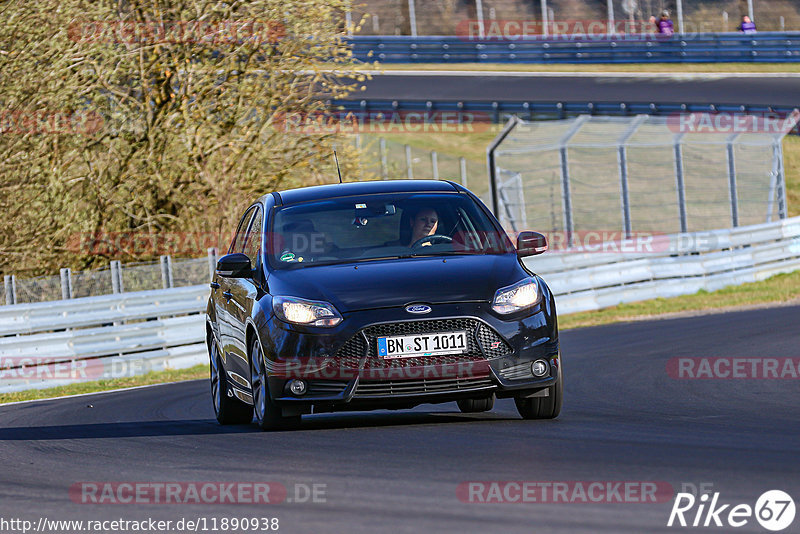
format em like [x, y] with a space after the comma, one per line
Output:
[531, 244]
[235, 265]
[366, 212]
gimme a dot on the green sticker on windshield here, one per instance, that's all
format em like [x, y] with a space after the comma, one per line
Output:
[287, 256]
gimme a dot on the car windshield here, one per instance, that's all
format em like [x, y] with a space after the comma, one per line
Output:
[372, 227]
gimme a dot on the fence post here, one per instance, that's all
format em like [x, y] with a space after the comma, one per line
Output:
[491, 164]
[212, 262]
[116, 277]
[479, 13]
[566, 189]
[622, 161]
[463, 163]
[11, 289]
[435, 164]
[384, 164]
[409, 170]
[679, 183]
[732, 189]
[680, 17]
[166, 271]
[780, 179]
[544, 18]
[66, 283]
[412, 16]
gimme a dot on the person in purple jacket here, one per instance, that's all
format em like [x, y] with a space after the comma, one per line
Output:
[747, 25]
[665, 26]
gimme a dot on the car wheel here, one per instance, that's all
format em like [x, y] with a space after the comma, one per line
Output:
[476, 405]
[229, 410]
[268, 414]
[543, 407]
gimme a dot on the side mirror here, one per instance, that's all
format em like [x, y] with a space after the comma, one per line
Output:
[531, 244]
[235, 265]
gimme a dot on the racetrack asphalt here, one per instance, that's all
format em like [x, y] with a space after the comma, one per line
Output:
[624, 419]
[766, 90]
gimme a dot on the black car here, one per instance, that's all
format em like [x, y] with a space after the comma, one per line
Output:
[371, 295]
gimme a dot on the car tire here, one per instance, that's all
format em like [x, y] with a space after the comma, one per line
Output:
[228, 410]
[476, 405]
[543, 407]
[268, 414]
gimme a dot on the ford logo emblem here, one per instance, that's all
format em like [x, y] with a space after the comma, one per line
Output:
[418, 308]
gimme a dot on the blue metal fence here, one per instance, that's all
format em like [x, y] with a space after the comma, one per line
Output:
[645, 48]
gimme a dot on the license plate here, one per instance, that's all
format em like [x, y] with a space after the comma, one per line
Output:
[422, 345]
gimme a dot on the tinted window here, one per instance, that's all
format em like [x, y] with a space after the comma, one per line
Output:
[382, 226]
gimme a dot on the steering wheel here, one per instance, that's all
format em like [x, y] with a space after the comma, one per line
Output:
[435, 238]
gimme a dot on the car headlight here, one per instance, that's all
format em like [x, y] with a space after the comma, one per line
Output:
[305, 312]
[519, 296]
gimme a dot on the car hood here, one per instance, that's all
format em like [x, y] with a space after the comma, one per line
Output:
[389, 283]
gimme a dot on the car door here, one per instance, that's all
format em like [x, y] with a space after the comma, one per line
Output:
[243, 293]
[224, 309]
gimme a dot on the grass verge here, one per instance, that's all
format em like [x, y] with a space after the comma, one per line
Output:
[155, 377]
[777, 289]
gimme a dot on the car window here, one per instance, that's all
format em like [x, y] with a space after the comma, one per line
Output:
[252, 245]
[382, 226]
[241, 232]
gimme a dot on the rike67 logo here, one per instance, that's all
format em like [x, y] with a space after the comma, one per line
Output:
[774, 510]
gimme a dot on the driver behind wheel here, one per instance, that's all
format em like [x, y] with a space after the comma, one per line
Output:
[423, 223]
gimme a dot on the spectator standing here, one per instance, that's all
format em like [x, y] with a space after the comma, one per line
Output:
[747, 25]
[665, 26]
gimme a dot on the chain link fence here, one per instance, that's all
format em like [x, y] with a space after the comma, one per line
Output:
[448, 17]
[640, 174]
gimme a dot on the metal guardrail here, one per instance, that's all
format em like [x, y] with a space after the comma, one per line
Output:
[679, 264]
[128, 334]
[645, 48]
[47, 344]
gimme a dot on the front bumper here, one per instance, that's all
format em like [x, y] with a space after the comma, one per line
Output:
[342, 370]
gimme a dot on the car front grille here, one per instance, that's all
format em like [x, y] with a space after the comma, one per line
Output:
[393, 388]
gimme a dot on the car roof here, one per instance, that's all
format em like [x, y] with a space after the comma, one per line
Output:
[322, 192]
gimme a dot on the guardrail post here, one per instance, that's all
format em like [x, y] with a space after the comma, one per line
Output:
[212, 262]
[384, 164]
[11, 289]
[66, 283]
[732, 189]
[409, 170]
[435, 164]
[166, 272]
[679, 183]
[116, 277]
[463, 162]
